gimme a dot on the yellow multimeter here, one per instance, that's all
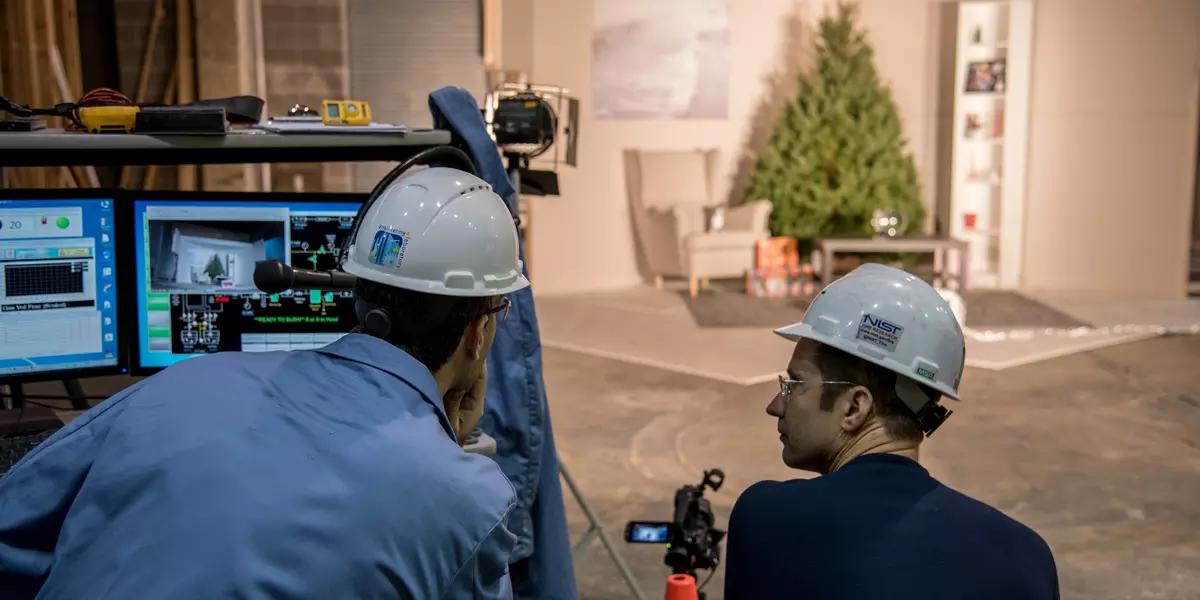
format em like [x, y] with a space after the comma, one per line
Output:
[108, 119]
[345, 112]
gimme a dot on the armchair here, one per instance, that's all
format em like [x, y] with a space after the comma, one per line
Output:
[672, 201]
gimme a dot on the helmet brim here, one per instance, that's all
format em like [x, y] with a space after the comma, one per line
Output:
[803, 331]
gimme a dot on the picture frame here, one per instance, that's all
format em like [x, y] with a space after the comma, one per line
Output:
[986, 76]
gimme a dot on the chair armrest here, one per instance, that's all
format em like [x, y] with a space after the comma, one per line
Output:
[751, 216]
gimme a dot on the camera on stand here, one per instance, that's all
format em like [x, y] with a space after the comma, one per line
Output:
[527, 121]
[693, 543]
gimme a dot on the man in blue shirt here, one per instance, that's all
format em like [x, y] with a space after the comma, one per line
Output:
[874, 353]
[333, 473]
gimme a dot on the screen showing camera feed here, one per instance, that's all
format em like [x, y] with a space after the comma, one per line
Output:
[648, 533]
[189, 256]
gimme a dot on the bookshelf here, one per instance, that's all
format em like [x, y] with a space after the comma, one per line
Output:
[991, 112]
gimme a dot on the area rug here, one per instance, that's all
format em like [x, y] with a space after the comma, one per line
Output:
[726, 305]
[729, 307]
[1002, 310]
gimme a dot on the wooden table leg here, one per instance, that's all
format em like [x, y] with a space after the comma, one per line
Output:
[964, 267]
[939, 266]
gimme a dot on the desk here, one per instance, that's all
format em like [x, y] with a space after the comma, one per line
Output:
[826, 248]
[55, 147]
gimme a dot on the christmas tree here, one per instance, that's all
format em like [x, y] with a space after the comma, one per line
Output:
[837, 154]
[214, 269]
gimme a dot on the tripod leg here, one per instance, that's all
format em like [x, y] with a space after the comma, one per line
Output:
[583, 542]
[597, 529]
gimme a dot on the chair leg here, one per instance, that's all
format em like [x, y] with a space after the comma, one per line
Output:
[705, 282]
[693, 286]
[658, 282]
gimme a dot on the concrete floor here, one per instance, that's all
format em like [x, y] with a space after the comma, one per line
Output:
[1097, 451]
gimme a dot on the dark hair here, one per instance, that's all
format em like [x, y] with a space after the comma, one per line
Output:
[836, 365]
[426, 326]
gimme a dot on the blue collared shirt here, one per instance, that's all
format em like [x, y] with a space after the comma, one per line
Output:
[314, 474]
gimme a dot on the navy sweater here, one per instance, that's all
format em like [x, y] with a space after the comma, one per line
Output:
[880, 527]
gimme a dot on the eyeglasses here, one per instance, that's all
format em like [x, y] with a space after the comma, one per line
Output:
[787, 386]
[501, 308]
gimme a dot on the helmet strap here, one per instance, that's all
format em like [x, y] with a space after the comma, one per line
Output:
[922, 404]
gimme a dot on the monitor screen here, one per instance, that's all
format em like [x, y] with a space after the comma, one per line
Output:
[194, 268]
[58, 274]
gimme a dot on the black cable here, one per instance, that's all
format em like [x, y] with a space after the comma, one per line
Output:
[44, 405]
[65, 110]
[428, 156]
[55, 397]
[710, 576]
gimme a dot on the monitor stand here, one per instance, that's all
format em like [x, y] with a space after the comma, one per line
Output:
[75, 393]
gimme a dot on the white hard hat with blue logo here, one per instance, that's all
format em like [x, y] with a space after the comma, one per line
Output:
[893, 319]
[439, 231]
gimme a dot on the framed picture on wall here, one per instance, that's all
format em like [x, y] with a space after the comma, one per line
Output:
[985, 76]
[667, 59]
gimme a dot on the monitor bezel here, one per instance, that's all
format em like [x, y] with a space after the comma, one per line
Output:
[120, 248]
[127, 218]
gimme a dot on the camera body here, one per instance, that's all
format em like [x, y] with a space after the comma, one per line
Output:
[692, 541]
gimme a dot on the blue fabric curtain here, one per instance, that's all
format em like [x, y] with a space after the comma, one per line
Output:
[517, 414]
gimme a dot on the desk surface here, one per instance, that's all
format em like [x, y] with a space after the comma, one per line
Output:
[886, 244]
[53, 147]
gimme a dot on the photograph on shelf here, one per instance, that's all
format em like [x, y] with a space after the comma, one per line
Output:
[974, 127]
[977, 127]
[985, 76]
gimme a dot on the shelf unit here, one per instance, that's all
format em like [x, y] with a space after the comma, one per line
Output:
[987, 203]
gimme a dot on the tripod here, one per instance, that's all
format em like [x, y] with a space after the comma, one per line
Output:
[596, 529]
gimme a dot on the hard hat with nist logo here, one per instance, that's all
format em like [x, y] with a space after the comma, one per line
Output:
[893, 319]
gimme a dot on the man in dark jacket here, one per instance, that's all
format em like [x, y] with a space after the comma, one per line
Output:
[874, 354]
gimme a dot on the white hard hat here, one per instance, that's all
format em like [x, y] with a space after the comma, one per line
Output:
[439, 231]
[893, 319]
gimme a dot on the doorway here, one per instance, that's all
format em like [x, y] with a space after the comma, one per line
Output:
[1194, 262]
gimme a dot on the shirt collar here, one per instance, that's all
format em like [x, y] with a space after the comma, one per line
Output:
[374, 352]
[883, 458]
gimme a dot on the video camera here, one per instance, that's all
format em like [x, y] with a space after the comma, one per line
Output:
[692, 541]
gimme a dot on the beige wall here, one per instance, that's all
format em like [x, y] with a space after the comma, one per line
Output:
[583, 240]
[1112, 144]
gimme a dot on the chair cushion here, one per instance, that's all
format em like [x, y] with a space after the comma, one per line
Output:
[723, 240]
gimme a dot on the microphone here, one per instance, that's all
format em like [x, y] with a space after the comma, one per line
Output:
[272, 277]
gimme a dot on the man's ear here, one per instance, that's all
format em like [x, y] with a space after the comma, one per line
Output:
[473, 337]
[857, 409]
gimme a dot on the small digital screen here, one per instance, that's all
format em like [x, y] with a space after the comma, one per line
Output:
[333, 111]
[58, 273]
[649, 533]
[194, 267]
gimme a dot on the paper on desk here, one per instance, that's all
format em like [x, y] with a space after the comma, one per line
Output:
[310, 127]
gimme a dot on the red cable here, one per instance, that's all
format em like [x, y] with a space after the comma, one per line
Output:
[99, 97]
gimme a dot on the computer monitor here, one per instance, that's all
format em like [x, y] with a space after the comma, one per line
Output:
[194, 267]
[59, 306]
